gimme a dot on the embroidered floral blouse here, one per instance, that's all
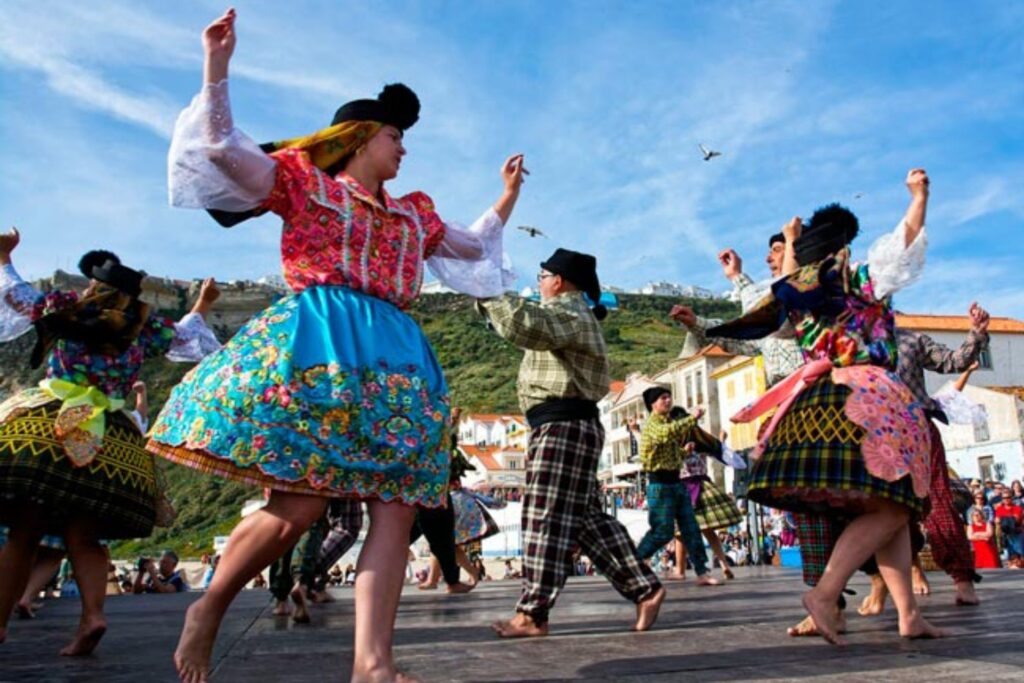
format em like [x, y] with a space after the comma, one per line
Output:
[21, 305]
[336, 233]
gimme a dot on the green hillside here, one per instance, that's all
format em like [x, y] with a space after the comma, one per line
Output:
[481, 370]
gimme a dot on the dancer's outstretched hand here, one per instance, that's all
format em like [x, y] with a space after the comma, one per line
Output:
[683, 314]
[918, 183]
[219, 37]
[979, 318]
[9, 241]
[732, 264]
[512, 172]
[208, 292]
[793, 229]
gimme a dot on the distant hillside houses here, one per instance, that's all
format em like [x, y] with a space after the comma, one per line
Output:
[673, 289]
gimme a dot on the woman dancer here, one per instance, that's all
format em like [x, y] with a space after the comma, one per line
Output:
[713, 509]
[847, 435]
[333, 391]
[72, 462]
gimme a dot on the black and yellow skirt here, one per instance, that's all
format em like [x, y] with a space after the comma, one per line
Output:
[118, 487]
[813, 460]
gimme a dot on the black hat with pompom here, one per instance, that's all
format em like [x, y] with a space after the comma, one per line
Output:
[830, 229]
[396, 105]
[94, 258]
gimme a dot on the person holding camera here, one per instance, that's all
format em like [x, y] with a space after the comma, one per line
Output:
[162, 577]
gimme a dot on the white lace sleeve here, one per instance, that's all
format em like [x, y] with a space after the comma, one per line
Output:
[193, 340]
[17, 298]
[212, 164]
[960, 410]
[472, 261]
[892, 264]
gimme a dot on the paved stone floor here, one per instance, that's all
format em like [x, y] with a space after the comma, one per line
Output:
[706, 634]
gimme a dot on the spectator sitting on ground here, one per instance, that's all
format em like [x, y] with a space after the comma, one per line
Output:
[259, 581]
[350, 575]
[162, 578]
[511, 573]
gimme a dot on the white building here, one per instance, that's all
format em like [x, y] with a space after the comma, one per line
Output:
[674, 289]
[995, 451]
[497, 468]
[624, 403]
[484, 429]
[1002, 365]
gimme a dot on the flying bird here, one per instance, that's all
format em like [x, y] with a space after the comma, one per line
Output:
[532, 231]
[858, 195]
[709, 154]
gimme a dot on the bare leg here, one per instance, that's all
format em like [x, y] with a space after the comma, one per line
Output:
[379, 578]
[46, 565]
[719, 553]
[965, 594]
[920, 581]
[680, 572]
[257, 541]
[89, 561]
[463, 561]
[874, 602]
[894, 563]
[17, 557]
[298, 596]
[860, 539]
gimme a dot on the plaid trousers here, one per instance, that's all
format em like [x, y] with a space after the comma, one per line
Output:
[946, 534]
[342, 524]
[562, 509]
[668, 505]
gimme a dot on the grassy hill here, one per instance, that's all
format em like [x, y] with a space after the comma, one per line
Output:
[480, 367]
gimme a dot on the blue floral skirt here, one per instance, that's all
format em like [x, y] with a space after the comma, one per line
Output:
[328, 392]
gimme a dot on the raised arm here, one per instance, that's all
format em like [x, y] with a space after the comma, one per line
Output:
[212, 164]
[17, 298]
[896, 259]
[942, 359]
[791, 232]
[918, 185]
[697, 326]
[529, 325]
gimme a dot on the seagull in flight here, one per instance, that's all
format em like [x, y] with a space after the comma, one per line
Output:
[709, 154]
[858, 195]
[532, 231]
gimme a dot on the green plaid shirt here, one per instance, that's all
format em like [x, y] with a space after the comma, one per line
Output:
[566, 356]
[662, 442]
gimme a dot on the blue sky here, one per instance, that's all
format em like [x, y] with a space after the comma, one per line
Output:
[810, 102]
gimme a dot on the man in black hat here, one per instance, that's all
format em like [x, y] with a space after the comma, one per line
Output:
[563, 374]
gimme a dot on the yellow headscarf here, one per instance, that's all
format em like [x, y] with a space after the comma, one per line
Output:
[329, 146]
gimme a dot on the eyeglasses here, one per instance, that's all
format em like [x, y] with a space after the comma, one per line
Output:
[541, 276]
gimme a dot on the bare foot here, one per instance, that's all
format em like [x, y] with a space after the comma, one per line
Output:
[729, 576]
[920, 581]
[24, 610]
[301, 613]
[965, 594]
[675, 576]
[916, 626]
[807, 627]
[708, 580]
[874, 602]
[427, 586]
[647, 611]
[823, 615]
[192, 657]
[323, 596]
[282, 609]
[86, 638]
[519, 626]
[459, 588]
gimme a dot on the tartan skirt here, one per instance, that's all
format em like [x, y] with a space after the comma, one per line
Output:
[714, 509]
[118, 488]
[813, 462]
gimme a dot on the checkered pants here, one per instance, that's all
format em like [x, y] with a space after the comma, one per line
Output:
[562, 509]
[668, 505]
[945, 528]
[344, 520]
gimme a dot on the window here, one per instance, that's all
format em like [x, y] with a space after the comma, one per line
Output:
[985, 467]
[690, 393]
[700, 387]
[985, 359]
[730, 389]
[748, 382]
